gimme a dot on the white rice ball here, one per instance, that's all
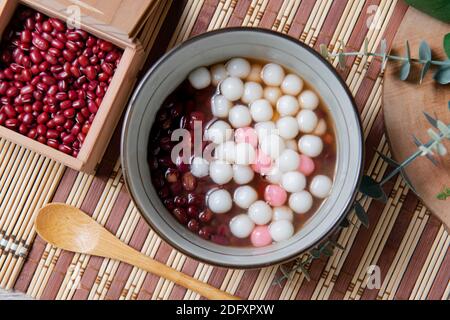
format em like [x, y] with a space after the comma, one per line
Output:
[265, 129]
[226, 151]
[245, 196]
[232, 88]
[321, 186]
[287, 106]
[272, 94]
[308, 100]
[245, 154]
[241, 226]
[307, 121]
[273, 146]
[293, 181]
[219, 201]
[274, 176]
[240, 116]
[287, 127]
[218, 132]
[321, 128]
[272, 74]
[282, 213]
[281, 230]
[260, 212]
[288, 160]
[199, 167]
[220, 172]
[220, 106]
[255, 73]
[218, 74]
[261, 110]
[292, 84]
[301, 202]
[310, 145]
[242, 174]
[238, 67]
[252, 92]
[200, 78]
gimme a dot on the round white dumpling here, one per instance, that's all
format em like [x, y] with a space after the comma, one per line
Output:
[288, 160]
[199, 167]
[310, 145]
[281, 230]
[307, 121]
[272, 94]
[308, 100]
[242, 174]
[282, 213]
[241, 226]
[245, 154]
[220, 172]
[301, 202]
[272, 74]
[219, 201]
[255, 73]
[265, 129]
[287, 127]
[321, 128]
[245, 196]
[200, 78]
[252, 92]
[238, 67]
[274, 176]
[293, 181]
[218, 132]
[287, 106]
[232, 88]
[220, 106]
[273, 145]
[292, 144]
[260, 212]
[261, 110]
[240, 116]
[292, 84]
[321, 186]
[218, 74]
[226, 151]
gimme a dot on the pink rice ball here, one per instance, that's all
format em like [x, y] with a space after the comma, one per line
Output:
[263, 163]
[275, 195]
[246, 135]
[260, 236]
[307, 165]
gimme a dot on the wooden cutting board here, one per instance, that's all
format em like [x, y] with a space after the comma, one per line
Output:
[405, 102]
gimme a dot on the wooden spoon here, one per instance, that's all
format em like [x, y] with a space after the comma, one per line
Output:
[69, 228]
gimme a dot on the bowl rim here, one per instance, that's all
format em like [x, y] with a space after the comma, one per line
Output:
[161, 60]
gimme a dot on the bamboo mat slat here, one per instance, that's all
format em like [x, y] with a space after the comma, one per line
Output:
[410, 247]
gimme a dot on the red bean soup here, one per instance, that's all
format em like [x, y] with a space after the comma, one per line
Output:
[265, 161]
[52, 79]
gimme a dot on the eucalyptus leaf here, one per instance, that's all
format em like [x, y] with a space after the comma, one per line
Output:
[336, 244]
[431, 120]
[408, 182]
[424, 51]
[341, 60]
[424, 71]
[327, 251]
[419, 144]
[324, 51]
[442, 75]
[372, 189]
[447, 44]
[390, 161]
[305, 272]
[345, 223]
[405, 70]
[361, 214]
[315, 253]
[408, 51]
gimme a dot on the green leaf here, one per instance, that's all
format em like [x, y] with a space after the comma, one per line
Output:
[442, 75]
[361, 214]
[372, 189]
[447, 44]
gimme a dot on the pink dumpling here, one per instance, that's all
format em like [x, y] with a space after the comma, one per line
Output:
[246, 135]
[275, 195]
[307, 165]
[260, 236]
[263, 163]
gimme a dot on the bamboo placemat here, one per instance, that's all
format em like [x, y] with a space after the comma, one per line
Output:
[410, 246]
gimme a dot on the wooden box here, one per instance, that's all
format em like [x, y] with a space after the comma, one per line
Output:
[125, 23]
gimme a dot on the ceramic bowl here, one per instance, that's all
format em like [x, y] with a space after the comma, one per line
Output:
[205, 50]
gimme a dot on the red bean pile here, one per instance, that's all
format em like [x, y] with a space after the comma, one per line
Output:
[52, 79]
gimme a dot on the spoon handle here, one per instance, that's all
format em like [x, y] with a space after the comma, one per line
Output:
[127, 254]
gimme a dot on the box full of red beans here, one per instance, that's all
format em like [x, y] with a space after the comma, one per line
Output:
[67, 69]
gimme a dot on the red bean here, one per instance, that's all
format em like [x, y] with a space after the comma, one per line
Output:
[47, 27]
[58, 24]
[41, 130]
[9, 111]
[12, 123]
[58, 44]
[69, 113]
[59, 119]
[53, 143]
[40, 43]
